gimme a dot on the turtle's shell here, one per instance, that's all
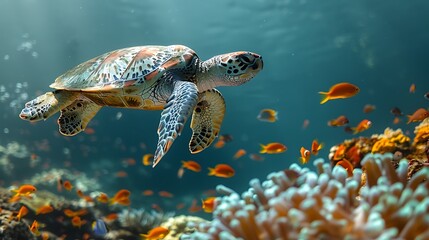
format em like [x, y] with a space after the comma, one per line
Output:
[124, 68]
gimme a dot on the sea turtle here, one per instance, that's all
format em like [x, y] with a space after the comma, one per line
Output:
[172, 78]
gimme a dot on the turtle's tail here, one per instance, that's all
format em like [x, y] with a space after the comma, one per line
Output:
[47, 105]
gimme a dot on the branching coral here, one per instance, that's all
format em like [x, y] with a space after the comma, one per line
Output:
[300, 204]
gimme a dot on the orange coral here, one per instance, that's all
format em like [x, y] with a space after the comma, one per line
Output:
[383, 145]
[422, 132]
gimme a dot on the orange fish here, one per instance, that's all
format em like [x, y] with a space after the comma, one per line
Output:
[316, 147]
[147, 159]
[267, 115]
[80, 193]
[88, 199]
[69, 213]
[156, 233]
[128, 162]
[194, 207]
[44, 209]
[45, 236]
[191, 165]
[121, 197]
[15, 199]
[208, 204]
[419, 115]
[396, 120]
[368, 108]
[340, 152]
[239, 153]
[34, 228]
[339, 121]
[180, 206]
[305, 124]
[222, 170]
[22, 212]
[412, 88]
[273, 148]
[77, 221]
[219, 144]
[180, 172]
[226, 137]
[147, 193]
[89, 131]
[165, 194]
[256, 157]
[121, 174]
[111, 217]
[103, 198]
[67, 185]
[305, 155]
[362, 126]
[26, 189]
[346, 165]
[340, 90]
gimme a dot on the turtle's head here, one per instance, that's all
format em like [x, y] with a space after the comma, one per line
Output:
[231, 69]
[239, 67]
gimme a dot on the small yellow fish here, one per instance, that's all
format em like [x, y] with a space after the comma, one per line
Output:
[147, 159]
[208, 204]
[267, 115]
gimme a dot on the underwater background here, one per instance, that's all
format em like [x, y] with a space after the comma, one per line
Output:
[307, 46]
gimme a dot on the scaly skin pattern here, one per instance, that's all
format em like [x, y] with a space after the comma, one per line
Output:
[169, 78]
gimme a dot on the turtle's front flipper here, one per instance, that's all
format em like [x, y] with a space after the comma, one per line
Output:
[47, 105]
[75, 117]
[206, 120]
[177, 110]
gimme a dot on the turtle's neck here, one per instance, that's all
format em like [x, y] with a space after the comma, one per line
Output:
[208, 75]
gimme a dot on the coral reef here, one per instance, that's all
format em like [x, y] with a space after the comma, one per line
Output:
[421, 132]
[391, 141]
[11, 229]
[140, 220]
[50, 179]
[300, 204]
[42, 198]
[10, 151]
[181, 225]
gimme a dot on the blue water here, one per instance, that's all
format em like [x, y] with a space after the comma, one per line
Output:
[307, 46]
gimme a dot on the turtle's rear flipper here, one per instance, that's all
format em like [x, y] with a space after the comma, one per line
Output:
[75, 117]
[177, 110]
[206, 120]
[46, 105]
